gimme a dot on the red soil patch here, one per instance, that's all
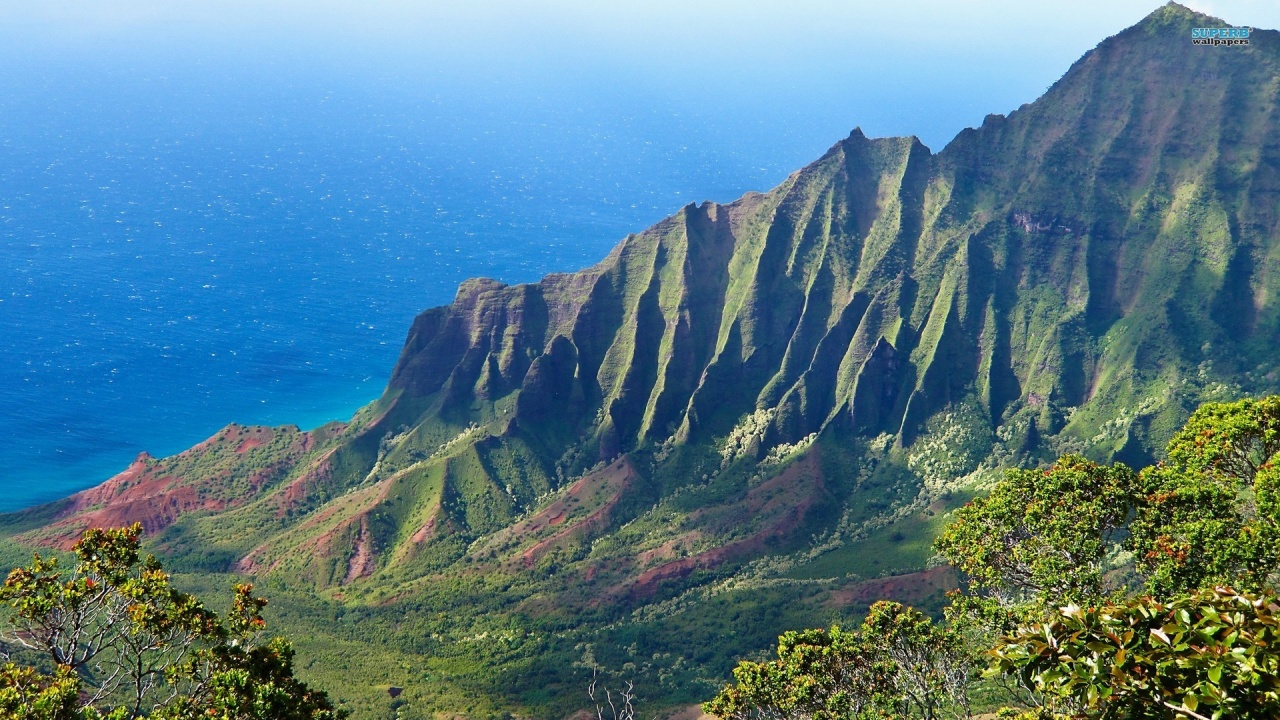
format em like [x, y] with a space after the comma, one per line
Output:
[142, 493]
[299, 489]
[614, 479]
[670, 550]
[795, 486]
[611, 482]
[909, 589]
[788, 498]
[779, 506]
[156, 492]
[263, 559]
[363, 562]
[249, 564]
[257, 437]
[427, 530]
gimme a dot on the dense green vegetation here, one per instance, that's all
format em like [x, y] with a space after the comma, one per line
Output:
[116, 640]
[1047, 605]
[755, 417]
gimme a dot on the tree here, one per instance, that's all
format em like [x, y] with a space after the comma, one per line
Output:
[1042, 534]
[931, 664]
[898, 662]
[1208, 655]
[124, 639]
[819, 675]
[26, 694]
[1210, 514]
[621, 707]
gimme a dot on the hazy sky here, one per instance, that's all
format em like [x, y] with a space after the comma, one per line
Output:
[720, 23]
[927, 67]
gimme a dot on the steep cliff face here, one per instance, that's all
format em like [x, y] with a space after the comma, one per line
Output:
[775, 300]
[1116, 234]
[786, 375]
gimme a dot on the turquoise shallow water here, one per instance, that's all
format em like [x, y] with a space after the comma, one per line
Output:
[181, 249]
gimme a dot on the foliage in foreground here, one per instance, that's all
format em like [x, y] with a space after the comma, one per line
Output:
[118, 641]
[1208, 654]
[898, 661]
[1054, 559]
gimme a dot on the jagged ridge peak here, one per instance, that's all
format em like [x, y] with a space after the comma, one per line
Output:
[1160, 44]
[1176, 10]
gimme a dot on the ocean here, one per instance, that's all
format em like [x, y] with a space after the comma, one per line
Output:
[181, 248]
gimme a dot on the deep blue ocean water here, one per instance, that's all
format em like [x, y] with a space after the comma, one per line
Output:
[181, 249]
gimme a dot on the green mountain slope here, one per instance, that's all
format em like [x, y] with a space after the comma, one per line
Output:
[754, 416]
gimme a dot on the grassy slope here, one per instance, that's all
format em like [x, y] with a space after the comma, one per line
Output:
[749, 415]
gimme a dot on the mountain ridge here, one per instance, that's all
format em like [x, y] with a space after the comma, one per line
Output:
[809, 296]
[784, 393]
